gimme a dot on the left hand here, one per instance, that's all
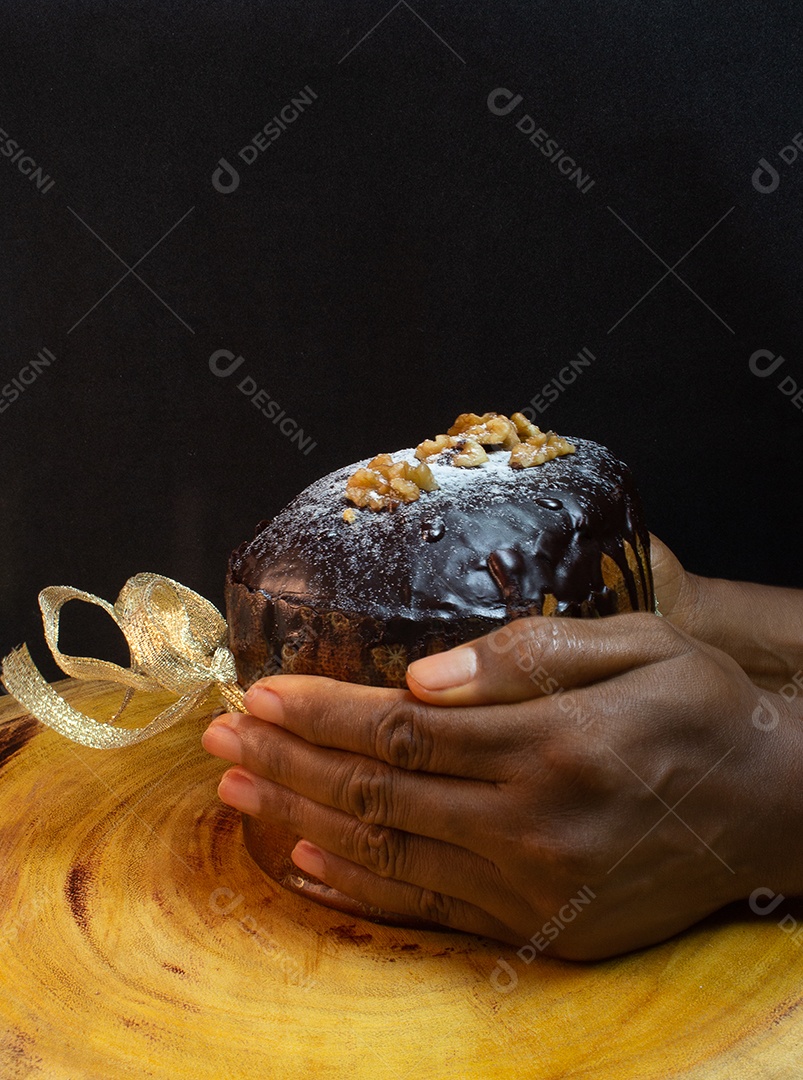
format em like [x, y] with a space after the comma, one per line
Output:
[616, 756]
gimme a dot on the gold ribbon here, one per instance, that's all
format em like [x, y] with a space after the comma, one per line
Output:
[177, 642]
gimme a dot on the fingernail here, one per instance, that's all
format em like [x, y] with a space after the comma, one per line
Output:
[308, 857]
[443, 671]
[236, 789]
[265, 704]
[222, 740]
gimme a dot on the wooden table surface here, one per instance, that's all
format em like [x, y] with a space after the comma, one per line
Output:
[137, 939]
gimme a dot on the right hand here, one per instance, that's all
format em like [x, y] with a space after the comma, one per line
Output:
[760, 626]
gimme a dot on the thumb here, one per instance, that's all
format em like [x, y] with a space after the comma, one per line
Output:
[537, 656]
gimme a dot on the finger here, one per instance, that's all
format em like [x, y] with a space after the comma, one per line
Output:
[370, 791]
[391, 725]
[535, 657]
[389, 854]
[397, 896]
[677, 592]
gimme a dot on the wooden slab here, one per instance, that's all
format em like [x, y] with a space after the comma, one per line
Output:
[137, 939]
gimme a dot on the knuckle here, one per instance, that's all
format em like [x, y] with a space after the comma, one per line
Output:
[379, 849]
[502, 639]
[366, 792]
[434, 906]
[263, 756]
[518, 640]
[287, 805]
[535, 642]
[529, 647]
[403, 738]
[645, 626]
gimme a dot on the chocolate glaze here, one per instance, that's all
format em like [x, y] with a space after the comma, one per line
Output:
[433, 529]
[492, 544]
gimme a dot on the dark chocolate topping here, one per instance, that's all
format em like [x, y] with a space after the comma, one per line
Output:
[491, 542]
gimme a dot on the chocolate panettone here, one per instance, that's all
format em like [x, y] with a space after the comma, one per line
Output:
[357, 594]
[410, 553]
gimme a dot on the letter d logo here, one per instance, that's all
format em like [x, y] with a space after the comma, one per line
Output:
[764, 909]
[762, 186]
[224, 909]
[509, 101]
[765, 715]
[503, 968]
[764, 354]
[223, 371]
[225, 178]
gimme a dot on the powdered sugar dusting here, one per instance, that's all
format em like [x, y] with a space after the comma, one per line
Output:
[384, 559]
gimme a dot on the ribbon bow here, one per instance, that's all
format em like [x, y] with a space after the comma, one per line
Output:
[177, 641]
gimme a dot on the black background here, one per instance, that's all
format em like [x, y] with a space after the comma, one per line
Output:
[397, 256]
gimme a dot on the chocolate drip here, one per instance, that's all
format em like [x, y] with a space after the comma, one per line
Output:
[507, 567]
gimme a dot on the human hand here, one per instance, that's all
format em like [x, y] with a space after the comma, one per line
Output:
[760, 626]
[615, 756]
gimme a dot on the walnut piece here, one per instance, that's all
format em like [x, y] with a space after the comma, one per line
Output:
[384, 483]
[432, 447]
[524, 428]
[539, 448]
[464, 451]
[462, 444]
[469, 454]
[490, 429]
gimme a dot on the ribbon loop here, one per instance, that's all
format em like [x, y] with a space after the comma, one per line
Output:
[177, 641]
[51, 601]
[173, 633]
